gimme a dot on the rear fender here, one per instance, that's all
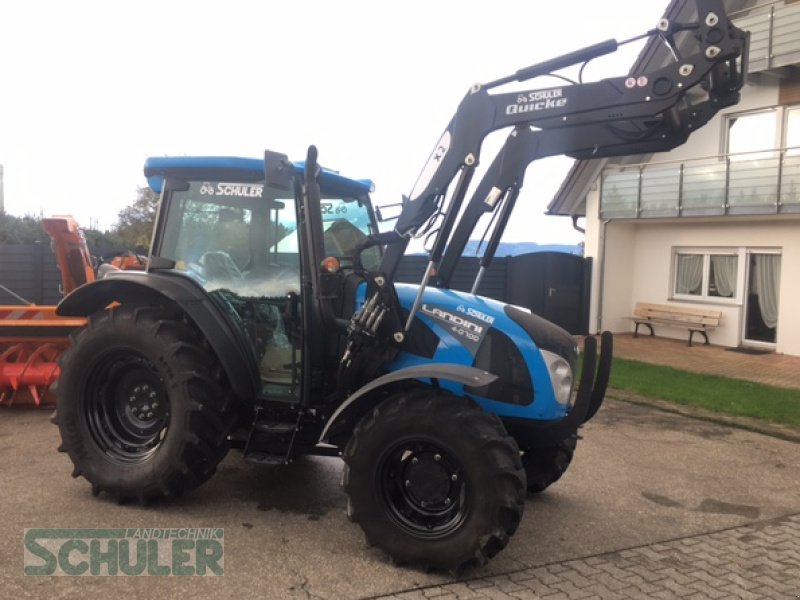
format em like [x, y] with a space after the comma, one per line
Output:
[160, 289]
[357, 404]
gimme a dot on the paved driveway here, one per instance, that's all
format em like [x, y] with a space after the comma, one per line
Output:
[641, 477]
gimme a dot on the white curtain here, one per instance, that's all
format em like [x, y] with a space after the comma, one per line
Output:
[767, 278]
[724, 274]
[690, 274]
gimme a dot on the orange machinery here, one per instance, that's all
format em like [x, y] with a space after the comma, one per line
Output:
[33, 337]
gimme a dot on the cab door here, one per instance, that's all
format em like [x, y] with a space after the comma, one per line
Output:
[238, 240]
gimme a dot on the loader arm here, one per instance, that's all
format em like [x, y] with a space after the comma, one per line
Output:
[500, 186]
[609, 117]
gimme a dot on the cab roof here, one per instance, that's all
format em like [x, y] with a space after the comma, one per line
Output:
[239, 169]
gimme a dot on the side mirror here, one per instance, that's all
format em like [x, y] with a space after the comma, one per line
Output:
[278, 171]
[389, 212]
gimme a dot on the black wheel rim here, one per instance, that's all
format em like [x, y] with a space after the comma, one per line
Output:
[424, 488]
[126, 406]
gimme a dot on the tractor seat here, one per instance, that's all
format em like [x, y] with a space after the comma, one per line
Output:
[219, 265]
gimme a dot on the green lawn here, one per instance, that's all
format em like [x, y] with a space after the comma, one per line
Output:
[719, 394]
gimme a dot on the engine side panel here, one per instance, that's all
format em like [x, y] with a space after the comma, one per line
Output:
[464, 325]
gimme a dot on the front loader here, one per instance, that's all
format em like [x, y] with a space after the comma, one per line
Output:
[269, 320]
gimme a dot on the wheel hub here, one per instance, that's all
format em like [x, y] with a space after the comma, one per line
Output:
[127, 406]
[423, 488]
[143, 403]
[428, 480]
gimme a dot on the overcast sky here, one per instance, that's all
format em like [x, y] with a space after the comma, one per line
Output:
[90, 89]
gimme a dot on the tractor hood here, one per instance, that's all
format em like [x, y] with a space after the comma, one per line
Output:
[470, 317]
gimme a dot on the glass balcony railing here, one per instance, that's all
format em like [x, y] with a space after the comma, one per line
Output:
[754, 183]
[774, 41]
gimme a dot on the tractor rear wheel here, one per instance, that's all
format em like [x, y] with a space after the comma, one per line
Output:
[434, 480]
[545, 466]
[141, 405]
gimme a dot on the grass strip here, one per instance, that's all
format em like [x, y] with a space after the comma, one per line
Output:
[719, 394]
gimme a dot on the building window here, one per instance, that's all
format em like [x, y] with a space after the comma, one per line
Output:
[792, 134]
[752, 135]
[711, 275]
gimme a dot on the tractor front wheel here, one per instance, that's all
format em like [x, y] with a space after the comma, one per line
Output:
[545, 466]
[141, 406]
[434, 480]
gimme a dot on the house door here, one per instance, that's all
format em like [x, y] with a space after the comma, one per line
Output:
[761, 302]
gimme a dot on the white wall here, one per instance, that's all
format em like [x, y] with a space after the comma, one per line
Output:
[612, 264]
[591, 248]
[621, 262]
[633, 258]
[639, 269]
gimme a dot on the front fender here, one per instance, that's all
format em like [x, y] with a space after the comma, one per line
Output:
[131, 287]
[358, 402]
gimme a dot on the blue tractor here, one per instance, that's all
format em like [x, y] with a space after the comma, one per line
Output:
[269, 319]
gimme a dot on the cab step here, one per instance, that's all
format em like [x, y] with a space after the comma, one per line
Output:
[274, 427]
[265, 458]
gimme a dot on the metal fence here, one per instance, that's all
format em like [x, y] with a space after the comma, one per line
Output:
[30, 272]
[753, 183]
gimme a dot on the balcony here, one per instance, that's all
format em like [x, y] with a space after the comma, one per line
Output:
[753, 183]
[774, 39]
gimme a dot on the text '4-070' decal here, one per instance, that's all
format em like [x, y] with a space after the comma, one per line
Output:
[467, 330]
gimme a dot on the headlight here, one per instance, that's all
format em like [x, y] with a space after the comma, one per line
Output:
[560, 376]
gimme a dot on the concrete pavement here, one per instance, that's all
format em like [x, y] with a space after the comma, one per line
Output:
[753, 562]
[644, 486]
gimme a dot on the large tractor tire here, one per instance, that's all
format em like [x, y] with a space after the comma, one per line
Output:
[141, 405]
[545, 466]
[433, 480]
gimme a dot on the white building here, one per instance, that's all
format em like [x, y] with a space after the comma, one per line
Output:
[715, 222]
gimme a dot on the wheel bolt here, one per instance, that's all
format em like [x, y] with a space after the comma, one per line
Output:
[423, 504]
[447, 501]
[152, 394]
[414, 460]
[154, 405]
[146, 407]
[408, 483]
[137, 389]
[150, 415]
[132, 399]
[437, 457]
[453, 477]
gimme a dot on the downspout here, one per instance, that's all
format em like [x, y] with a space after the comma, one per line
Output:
[575, 225]
[602, 282]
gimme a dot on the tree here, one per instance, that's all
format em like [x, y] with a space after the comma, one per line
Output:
[21, 230]
[134, 225]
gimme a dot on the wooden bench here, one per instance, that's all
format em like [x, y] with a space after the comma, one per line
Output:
[696, 320]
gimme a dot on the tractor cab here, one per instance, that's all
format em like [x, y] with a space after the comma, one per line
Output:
[243, 240]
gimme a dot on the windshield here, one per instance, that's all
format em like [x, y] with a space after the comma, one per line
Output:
[243, 236]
